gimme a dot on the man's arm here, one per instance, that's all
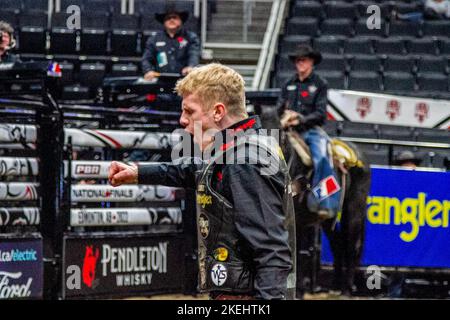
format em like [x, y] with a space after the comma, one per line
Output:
[180, 174]
[320, 114]
[193, 51]
[149, 56]
[259, 218]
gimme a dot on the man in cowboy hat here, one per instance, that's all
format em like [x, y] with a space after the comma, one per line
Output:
[303, 104]
[407, 159]
[172, 50]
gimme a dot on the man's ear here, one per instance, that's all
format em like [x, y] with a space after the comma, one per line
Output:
[220, 112]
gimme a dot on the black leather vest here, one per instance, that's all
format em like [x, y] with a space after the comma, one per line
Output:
[225, 263]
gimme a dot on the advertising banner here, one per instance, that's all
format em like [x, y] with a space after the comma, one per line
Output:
[125, 193]
[118, 265]
[21, 267]
[125, 217]
[407, 220]
[390, 109]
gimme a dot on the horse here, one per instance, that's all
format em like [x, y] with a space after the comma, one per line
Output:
[345, 232]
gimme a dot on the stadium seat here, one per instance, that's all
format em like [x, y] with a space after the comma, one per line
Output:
[307, 9]
[290, 43]
[33, 32]
[391, 45]
[124, 70]
[364, 81]
[303, 26]
[75, 92]
[285, 64]
[399, 81]
[10, 16]
[365, 63]
[148, 8]
[335, 79]
[363, 5]
[403, 7]
[339, 9]
[67, 69]
[332, 62]
[91, 74]
[444, 47]
[328, 44]
[403, 29]
[124, 35]
[422, 46]
[432, 82]
[94, 34]
[11, 5]
[432, 64]
[41, 5]
[361, 29]
[402, 63]
[436, 28]
[98, 6]
[340, 27]
[358, 45]
[67, 3]
[62, 39]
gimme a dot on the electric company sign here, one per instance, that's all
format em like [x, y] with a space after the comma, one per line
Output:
[122, 265]
[21, 267]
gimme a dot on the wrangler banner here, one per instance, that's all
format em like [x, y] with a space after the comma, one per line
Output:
[121, 265]
[407, 220]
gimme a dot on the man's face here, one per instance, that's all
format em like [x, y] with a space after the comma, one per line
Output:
[172, 22]
[5, 40]
[304, 65]
[196, 120]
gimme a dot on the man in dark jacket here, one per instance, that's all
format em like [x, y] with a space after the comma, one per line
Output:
[303, 105]
[7, 43]
[246, 225]
[172, 50]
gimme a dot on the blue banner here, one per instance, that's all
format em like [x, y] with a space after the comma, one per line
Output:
[21, 267]
[407, 221]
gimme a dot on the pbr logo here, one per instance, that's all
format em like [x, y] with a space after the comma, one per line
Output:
[364, 105]
[393, 109]
[87, 169]
[422, 110]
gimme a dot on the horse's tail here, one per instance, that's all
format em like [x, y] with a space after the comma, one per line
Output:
[356, 198]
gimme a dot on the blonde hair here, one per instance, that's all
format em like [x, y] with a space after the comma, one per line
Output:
[214, 83]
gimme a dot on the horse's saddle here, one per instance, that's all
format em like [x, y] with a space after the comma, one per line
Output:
[343, 155]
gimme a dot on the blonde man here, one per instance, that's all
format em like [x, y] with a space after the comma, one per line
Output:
[246, 243]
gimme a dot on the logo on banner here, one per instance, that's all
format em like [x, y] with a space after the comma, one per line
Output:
[89, 265]
[363, 106]
[421, 111]
[87, 169]
[326, 188]
[219, 274]
[393, 109]
[9, 290]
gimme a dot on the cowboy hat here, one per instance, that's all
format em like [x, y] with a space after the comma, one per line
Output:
[304, 50]
[171, 9]
[407, 156]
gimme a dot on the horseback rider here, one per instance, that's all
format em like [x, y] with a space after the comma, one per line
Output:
[303, 106]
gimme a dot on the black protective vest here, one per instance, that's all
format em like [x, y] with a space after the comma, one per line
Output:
[225, 264]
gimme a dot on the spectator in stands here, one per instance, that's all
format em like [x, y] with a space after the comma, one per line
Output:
[407, 159]
[172, 50]
[7, 43]
[437, 9]
[303, 105]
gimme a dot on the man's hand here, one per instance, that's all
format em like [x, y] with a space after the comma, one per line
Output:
[186, 70]
[290, 118]
[120, 173]
[149, 76]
